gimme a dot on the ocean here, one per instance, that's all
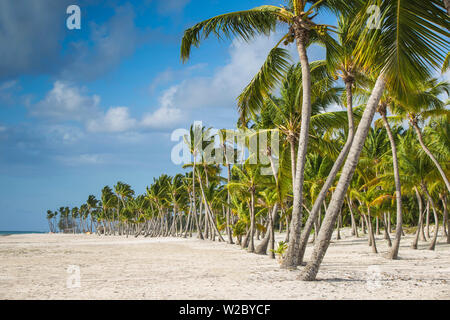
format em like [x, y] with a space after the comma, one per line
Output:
[7, 233]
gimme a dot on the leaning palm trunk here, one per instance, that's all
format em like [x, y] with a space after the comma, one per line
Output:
[331, 176]
[393, 254]
[446, 219]
[208, 213]
[337, 199]
[262, 247]
[429, 154]
[291, 260]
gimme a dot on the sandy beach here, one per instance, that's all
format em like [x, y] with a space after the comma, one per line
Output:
[37, 266]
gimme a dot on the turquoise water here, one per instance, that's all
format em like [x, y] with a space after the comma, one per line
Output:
[6, 233]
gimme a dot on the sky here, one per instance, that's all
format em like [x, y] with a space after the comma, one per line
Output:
[81, 109]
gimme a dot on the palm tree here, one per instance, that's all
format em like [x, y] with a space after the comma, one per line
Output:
[249, 178]
[194, 142]
[122, 191]
[425, 104]
[50, 216]
[92, 204]
[409, 43]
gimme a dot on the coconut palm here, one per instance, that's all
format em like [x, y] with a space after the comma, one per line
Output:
[423, 105]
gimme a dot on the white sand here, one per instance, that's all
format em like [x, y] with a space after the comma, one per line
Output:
[34, 266]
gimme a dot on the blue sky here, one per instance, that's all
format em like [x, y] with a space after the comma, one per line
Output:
[81, 109]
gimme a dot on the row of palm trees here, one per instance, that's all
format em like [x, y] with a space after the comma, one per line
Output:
[339, 167]
[249, 204]
[245, 205]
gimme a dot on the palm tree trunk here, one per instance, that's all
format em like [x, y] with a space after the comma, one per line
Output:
[377, 224]
[393, 253]
[427, 221]
[338, 226]
[430, 155]
[446, 219]
[420, 222]
[292, 147]
[371, 233]
[199, 231]
[292, 256]
[272, 237]
[352, 216]
[367, 222]
[251, 245]
[348, 170]
[229, 231]
[386, 231]
[208, 213]
[262, 247]
[436, 219]
[331, 176]
[444, 205]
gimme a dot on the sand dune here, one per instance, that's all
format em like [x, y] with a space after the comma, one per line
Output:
[35, 266]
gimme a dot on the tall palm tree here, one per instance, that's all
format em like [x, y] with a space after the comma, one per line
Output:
[194, 142]
[342, 64]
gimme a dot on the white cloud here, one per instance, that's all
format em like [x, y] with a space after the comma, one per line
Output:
[167, 115]
[162, 118]
[227, 82]
[116, 119]
[66, 102]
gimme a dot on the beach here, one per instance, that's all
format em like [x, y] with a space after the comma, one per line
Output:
[44, 266]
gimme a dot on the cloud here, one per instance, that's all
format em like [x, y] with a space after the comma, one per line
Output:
[116, 119]
[66, 102]
[166, 115]
[227, 82]
[162, 118]
[30, 36]
[35, 40]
